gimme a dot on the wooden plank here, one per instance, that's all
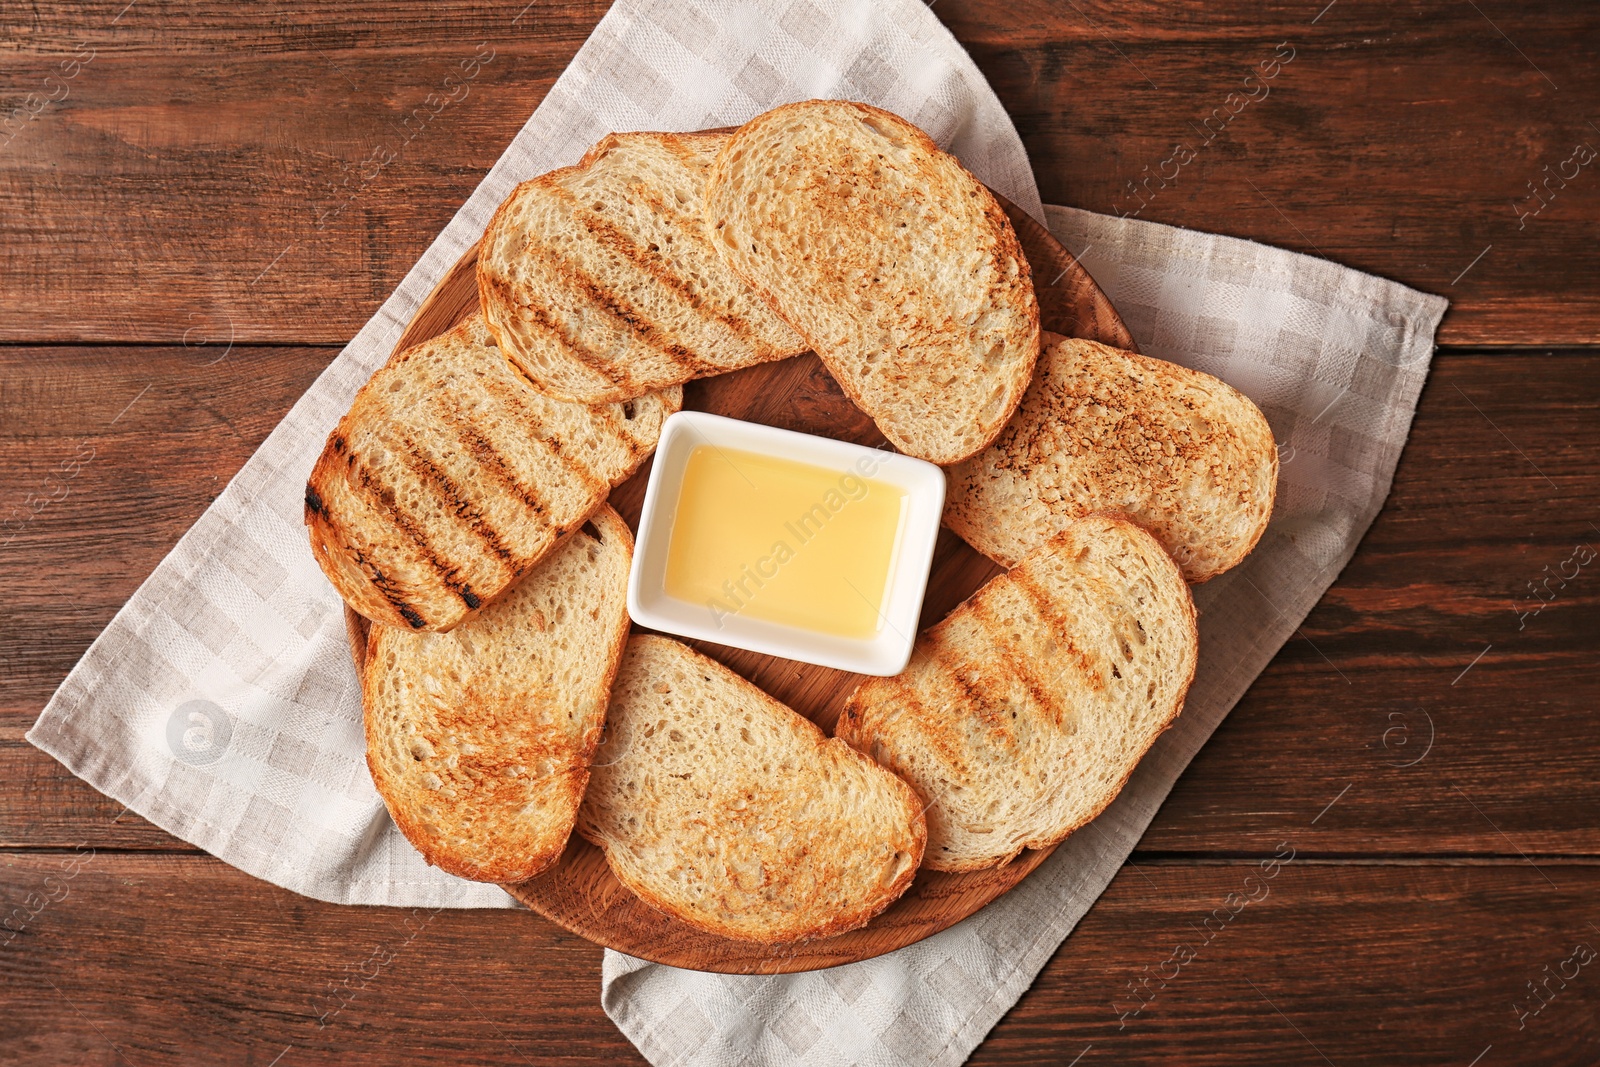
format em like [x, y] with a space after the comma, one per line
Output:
[107, 456]
[261, 172]
[266, 172]
[47, 805]
[1343, 964]
[1470, 522]
[1401, 141]
[244, 972]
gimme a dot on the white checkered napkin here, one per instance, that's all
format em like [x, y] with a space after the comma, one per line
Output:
[1336, 359]
[220, 703]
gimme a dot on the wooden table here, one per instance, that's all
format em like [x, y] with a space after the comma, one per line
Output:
[220, 194]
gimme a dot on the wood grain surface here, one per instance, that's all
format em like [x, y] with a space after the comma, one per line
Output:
[212, 166]
[1352, 962]
[169, 291]
[580, 893]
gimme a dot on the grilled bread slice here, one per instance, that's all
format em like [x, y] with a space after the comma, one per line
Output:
[896, 265]
[1022, 714]
[725, 809]
[601, 285]
[1181, 453]
[479, 740]
[450, 477]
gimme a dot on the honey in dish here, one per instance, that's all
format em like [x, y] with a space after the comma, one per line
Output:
[787, 542]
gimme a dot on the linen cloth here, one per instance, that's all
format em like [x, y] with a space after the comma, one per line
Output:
[220, 703]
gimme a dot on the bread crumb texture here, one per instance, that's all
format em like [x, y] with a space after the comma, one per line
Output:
[722, 807]
[1023, 713]
[1181, 453]
[479, 739]
[896, 266]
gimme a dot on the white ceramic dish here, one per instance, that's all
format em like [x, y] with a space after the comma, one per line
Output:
[885, 653]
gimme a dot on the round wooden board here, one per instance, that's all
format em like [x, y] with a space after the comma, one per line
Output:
[579, 893]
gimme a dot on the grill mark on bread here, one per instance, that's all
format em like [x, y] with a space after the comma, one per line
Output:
[638, 447]
[523, 376]
[743, 329]
[611, 236]
[433, 477]
[623, 416]
[872, 725]
[535, 315]
[950, 662]
[495, 464]
[680, 148]
[385, 588]
[943, 732]
[630, 319]
[1047, 780]
[908, 701]
[443, 429]
[331, 535]
[1058, 627]
[571, 463]
[1016, 664]
[381, 498]
[483, 449]
[619, 425]
[667, 307]
[598, 362]
[576, 466]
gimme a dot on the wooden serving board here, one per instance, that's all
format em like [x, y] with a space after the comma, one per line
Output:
[580, 893]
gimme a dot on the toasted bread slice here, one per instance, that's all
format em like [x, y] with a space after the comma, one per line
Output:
[727, 810]
[1181, 453]
[450, 477]
[479, 740]
[896, 265]
[601, 285]
[1022, 714]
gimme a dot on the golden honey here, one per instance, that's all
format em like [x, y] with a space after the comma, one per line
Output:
[791, 543]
